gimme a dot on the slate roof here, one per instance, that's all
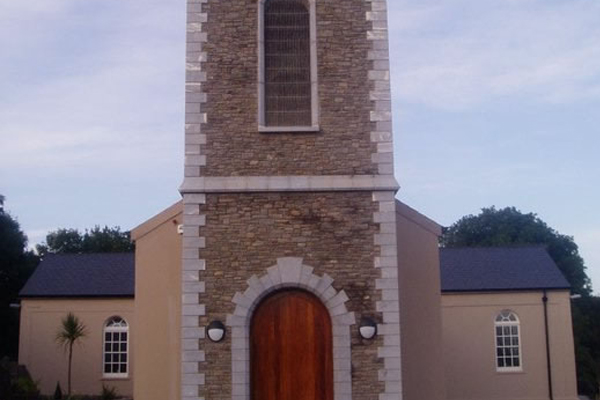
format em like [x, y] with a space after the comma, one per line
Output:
[83, 275]
[499, 269]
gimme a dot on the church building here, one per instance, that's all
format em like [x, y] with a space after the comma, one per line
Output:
[289, 271]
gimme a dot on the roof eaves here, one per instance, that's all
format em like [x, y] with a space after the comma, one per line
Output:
[78, 296]
[536, 289]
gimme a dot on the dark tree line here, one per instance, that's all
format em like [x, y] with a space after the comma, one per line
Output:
[16, 265]
[95, 240]
[510, 227]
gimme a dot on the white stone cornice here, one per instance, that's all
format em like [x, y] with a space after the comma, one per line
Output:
[314, 183]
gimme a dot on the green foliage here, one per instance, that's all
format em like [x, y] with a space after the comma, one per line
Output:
[70, 332]
[95, 240]
[586, 321]
[109, 393]
[16, 265]
[58, 395]
[509, 226]
[25, 388]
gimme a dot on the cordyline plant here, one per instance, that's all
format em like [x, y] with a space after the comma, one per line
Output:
[70, 332]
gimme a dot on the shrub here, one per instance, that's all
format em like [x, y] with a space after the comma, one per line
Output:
[109, 393]
[25, 388]
[58, 395]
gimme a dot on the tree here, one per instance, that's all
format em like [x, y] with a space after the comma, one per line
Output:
[586, 324]
[70, 332]
[95, 240]
[508, 226]
[16, 265]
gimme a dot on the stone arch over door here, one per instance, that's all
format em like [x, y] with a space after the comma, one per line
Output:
[290, 272]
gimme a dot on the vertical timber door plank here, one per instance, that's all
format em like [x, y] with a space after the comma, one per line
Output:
[291, 348]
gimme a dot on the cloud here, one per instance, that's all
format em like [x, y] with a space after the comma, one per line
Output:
[101, 93]
[461, 54]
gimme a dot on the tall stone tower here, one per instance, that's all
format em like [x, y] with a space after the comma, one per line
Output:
[289, 222]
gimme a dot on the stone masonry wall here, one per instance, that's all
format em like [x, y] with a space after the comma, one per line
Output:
[234, 147]
[332, 232]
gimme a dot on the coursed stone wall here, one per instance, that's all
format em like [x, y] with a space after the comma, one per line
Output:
[332, 232]
[234, 147]
[234, 230]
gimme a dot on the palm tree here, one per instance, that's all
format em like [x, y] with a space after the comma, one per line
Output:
[71, 330]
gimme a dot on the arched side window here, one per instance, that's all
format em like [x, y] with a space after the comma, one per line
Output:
[508, 342]
[116, 348]
[287, 57]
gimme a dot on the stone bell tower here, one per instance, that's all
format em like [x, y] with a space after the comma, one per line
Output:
[289, 223]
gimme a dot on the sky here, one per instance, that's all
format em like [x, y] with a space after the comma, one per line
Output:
[495, 103]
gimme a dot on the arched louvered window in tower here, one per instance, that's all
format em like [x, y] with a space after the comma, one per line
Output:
[287, 65]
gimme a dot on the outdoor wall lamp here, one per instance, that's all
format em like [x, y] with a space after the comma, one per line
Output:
[367, 328]
[215, 331]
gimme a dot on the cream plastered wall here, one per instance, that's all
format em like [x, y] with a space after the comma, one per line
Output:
[157, 305]
[47, 362]
[420, 315]
[469, 347]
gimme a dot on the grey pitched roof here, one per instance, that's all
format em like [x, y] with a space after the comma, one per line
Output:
[82, 275]
[498, 269]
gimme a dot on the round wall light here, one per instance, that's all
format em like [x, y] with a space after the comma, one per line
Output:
[367, 328]
[215, 331]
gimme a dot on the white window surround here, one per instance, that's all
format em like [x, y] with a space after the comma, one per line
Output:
[262, 127]
[508, 319]
[115, 325]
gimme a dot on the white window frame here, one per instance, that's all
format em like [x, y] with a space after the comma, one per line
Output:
[112, 329]
[511, 324]
[262, 127]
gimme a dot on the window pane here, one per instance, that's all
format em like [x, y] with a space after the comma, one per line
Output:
[514, 330]
[506, 330]
[516, 362]
[123, 347]
[499, 330]
[508, 362]
[287, 63]
[106, 368]
[115, 347]
[107, 336]
[501, 362]
[123, 336]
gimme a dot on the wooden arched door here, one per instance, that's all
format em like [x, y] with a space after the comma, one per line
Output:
[291, 348]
